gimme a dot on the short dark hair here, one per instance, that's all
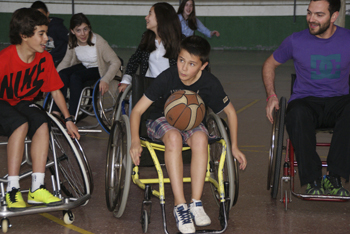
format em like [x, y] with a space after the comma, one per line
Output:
[77, 20]
[24, 22]
[334, 5]
[39, 5]
[197, 46]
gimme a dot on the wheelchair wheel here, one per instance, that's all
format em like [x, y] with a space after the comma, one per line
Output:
[85, 108]
[123, 105]
[119, 166]
[216, 127]
[104, 104]
[276, 149]
[74, 174]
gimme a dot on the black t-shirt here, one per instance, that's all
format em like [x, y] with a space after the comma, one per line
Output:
[208, 87]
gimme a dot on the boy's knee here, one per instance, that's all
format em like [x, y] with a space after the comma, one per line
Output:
[172, 138]
[198, 139]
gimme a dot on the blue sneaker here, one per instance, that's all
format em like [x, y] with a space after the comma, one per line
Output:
[183, 219]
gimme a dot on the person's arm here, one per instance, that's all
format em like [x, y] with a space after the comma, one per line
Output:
[233, 126]
[268, 75]
[201, 28]
[112, 61]
[131, 68]
[135, 118]
[61, 103]
[66, 62]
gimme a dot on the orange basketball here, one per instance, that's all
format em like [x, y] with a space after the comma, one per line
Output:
[184, 110]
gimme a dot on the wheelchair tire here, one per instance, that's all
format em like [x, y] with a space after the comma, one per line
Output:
[276, 149]
[103, 105]
[74, 172]
[215, 127]
[119, 166]
[123, 103]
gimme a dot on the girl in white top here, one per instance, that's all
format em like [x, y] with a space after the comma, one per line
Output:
[159, 45]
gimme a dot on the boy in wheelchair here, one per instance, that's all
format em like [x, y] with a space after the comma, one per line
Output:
[25, 69]
[188, 75]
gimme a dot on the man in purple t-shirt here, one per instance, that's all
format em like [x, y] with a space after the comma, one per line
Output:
[320, 96]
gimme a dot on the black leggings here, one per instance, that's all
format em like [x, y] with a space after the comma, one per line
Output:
[74, 78]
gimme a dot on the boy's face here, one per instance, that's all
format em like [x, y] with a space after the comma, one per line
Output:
[189, 67]
[37, 42]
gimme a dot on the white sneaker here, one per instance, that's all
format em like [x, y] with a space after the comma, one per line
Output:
[198, 214]
[183, 219]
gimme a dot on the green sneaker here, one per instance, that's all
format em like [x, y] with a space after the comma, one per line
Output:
[15, 200]
[333, 186]
[43, 196]
[315, 188]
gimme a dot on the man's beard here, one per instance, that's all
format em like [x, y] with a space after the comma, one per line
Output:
[322, 29]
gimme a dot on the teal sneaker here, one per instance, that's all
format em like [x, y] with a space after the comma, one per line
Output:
[332, 185]
[315, 188]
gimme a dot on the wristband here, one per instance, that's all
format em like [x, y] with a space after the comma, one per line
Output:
[272, 95]
[70, 118]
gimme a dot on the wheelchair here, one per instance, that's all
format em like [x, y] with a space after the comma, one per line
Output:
[92, 103]
[274, 178]
[222, 168]
[68, 169]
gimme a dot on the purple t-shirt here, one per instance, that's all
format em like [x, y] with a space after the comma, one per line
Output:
[321, 65]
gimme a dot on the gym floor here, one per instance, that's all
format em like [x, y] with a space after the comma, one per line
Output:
[255, 211]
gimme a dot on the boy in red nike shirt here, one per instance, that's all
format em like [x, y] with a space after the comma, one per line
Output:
[25, 69]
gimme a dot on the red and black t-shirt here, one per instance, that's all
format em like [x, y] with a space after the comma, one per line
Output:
[23, 81]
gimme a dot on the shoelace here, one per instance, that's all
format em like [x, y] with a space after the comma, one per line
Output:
[13, 195]
[335, 181]
[184, 215]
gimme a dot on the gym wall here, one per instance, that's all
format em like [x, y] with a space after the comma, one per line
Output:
[243, 25]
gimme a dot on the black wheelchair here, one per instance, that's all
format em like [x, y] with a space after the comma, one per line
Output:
[67, 170]
[222, 168]
[274, 178]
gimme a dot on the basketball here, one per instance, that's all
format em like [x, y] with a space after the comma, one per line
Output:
[184, 110]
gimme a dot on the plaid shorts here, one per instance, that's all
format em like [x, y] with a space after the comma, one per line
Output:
[157, 128]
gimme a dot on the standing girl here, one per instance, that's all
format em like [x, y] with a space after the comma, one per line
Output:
[88, 58]
[159, 45]
[189, 21]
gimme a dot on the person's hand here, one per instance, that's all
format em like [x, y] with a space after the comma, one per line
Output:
[122, 87]
[103, 87]
[272, 103]
[135, 152]
[216, 33]
[240, 157]
[72, 130]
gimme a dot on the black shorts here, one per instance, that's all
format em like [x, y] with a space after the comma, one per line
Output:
[12, 117]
